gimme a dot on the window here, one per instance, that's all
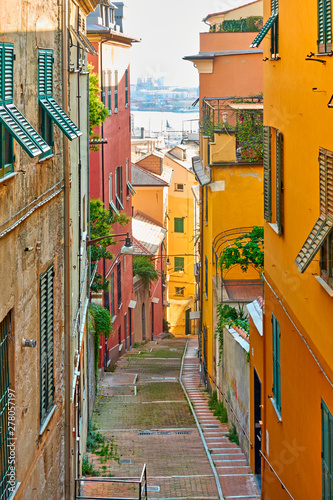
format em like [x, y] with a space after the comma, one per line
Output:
[103, 89]
[13, 125]
[6, 431]
[319, 235]
[46, 101]
[326, 260]
[111, 202]
[179, 264]
[273, 177]
[206, 276]
[119, 283]
[273, 26]
[327, 451]
[46, 344]
[119, 188]
[116, 92]
[276, 362]
[178, 225]
[112, 295]
[179, 187]
[119, 335]
[109, 91]
[130, 188]
[324, 26]
[179, 291]
[126, 88]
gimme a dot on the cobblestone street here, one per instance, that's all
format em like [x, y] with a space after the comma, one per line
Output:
[143, 414]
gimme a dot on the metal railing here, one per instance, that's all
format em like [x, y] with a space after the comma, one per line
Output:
[141, 484]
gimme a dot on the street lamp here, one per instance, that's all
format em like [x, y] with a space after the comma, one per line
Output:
[126, 249]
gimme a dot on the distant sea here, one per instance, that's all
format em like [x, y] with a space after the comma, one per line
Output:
[156, 121]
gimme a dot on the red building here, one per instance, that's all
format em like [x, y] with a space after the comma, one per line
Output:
[110, 172]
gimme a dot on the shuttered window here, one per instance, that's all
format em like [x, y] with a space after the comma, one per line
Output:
[130, 188]
[273, 177]
[179, 264]
[46, 101]
[7, 432]
[116, 92]
[112, 294]
[109, 91]
[324, 225]
[324, 26]
[12, 123]
[326, 452]
[206, 276]
[270, 25]
[126, 88]
[103, 88]
[119, 188]
[178, 225]
[46, 344]
[276, 362]
[119, 283]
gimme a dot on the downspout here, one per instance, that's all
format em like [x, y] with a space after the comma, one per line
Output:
[67, 283]
[201, 282]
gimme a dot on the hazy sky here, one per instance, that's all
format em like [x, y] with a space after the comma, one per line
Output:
[169, 30]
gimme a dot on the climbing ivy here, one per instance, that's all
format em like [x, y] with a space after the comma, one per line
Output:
[100, 324]
[97, 111]
[244, 25]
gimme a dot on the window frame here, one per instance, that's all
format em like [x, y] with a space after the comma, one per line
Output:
[324, 41]
[179, 225]
[326, 451]
[273, 178]
[119, 284]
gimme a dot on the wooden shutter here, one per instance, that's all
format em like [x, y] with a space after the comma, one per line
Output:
[326, 183]
[179, 263]
[276, 362]
[45, 73]
[328, 25]
[279, 177]
[7, 73]
[327, 451]
[46, 342]
[321, 38]
[178, 225]
[267, 174]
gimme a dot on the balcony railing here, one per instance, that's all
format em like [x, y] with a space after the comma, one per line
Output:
[241, 117]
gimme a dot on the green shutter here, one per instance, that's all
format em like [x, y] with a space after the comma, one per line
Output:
[179, 264]
[325, 25]
[66, 125]
[267, 174]
[22, 131]
[261, 35]
[8, 72]
[321, 37]
[46, 343]
[327, 451]
[274, 6]
[109, 92]
[328, 25]
[314, 241]
[45, 73]
[178, 225]
[276, 362]
[131, 188]
[326, 183]
[279, 176]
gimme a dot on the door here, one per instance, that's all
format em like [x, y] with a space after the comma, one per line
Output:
[143, 322]
[187, 322]
[130, 327]
[257, 426]
[152, 320]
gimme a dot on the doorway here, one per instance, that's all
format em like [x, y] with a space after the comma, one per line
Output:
[257, 426]
[187, 322]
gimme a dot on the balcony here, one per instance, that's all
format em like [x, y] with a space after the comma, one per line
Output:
[231, 129]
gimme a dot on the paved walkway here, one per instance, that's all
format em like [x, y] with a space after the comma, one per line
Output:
[144, 417]
[234, 474]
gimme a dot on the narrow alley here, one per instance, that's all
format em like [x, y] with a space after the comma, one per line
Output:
[143, 416]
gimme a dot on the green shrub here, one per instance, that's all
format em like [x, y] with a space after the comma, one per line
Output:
[145, 269]
[218, 408]
[244, 25]
[232, 434]
[166, 326]
[88, 468]
[94, 441]
[100, 324]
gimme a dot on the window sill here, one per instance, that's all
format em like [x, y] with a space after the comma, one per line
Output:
[17, 485]
[276, 409]
[8, 176]
[48, 418]
[41, 160]
[325, 286]
[275, 227]
[120, 306]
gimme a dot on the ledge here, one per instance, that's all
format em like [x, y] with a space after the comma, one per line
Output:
[7, 177]
[48, 418]
[325, 286]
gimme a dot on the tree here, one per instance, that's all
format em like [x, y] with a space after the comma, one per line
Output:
[101, 221]
[144, 267]
[97, 111]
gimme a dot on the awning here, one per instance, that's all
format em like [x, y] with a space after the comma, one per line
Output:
[22, 131]
[66, 125]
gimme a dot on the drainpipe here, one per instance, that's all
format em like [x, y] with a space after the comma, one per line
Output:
[201, 283]
[67, 281]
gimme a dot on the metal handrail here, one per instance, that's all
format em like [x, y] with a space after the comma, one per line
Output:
[142, 482]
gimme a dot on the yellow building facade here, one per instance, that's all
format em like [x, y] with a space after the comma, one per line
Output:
[181, 240]
[292, 361]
